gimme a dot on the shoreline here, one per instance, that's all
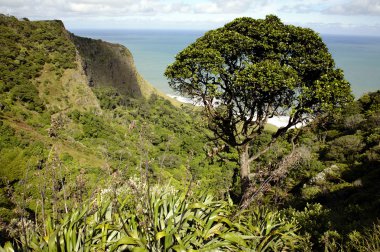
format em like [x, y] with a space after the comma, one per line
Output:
[278, 121]
[184, 99]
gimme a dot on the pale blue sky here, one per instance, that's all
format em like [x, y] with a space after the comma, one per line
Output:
[360, 17]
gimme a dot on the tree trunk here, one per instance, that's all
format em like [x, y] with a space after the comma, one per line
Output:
[244, 168]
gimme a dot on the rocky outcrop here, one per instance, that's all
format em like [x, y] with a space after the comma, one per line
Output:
[108, 65]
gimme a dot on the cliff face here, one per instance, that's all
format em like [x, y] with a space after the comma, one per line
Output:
[108, 65]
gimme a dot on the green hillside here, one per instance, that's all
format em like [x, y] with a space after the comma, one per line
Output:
[93, 158]
[58, 131]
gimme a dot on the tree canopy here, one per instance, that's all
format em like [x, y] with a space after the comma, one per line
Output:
[251, 70]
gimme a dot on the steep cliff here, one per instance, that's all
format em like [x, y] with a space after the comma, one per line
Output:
[111, 65]
[108, 65]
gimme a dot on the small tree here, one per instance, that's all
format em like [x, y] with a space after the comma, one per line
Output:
[251, 70]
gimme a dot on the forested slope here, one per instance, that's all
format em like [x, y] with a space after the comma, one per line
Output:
[90, 152]
[71, 121]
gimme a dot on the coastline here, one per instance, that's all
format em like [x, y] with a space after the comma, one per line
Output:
[278, 121]
[184, 99]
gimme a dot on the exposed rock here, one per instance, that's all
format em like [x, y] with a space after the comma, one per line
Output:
[108, 65]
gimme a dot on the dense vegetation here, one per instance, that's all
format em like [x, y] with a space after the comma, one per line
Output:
[144, 218]
[23, 56]
[251, 70]
[55, 157]
[340, 183]
[112, 172]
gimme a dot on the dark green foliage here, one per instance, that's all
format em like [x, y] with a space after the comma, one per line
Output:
[17, 160]
[25, 48]
[66, 158]
[56, 158]
[29, 96]
[109, 98]
[343, 181]
[93, 126]
[314, 220]
[370, 103]
[7, 136]
[369, 240]
[171, 139]
[345, 148]
[253, 69]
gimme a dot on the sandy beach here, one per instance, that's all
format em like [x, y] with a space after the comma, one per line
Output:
[278, 121]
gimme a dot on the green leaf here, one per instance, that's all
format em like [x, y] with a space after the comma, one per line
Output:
[197, 205]
[235, 238]
[139, 249]
[7, 247]
[161, 234]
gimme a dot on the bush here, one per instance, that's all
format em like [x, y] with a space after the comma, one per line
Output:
[311, 192]
[144, 218]
[345, 148]
[109, 98]
[29, 95]
[313, 219]
[368, 241]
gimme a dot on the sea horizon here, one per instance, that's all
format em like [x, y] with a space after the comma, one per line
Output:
[200, 30]
[153, 49]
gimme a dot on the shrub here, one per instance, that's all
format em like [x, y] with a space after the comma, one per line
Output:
[313, 219]
[310, 192]
[368, 241]
[144, 218]
[345, 148]
[28, 94]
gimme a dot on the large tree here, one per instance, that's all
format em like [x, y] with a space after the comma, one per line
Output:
[251, 70]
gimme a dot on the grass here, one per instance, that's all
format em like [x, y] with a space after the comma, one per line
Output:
[270, 128]
[68, 92]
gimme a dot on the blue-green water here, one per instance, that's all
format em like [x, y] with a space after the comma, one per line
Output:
[153, 50]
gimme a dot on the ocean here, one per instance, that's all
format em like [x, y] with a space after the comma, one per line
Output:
[153, 50]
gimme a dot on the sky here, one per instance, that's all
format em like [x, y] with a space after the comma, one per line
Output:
[360, 17]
